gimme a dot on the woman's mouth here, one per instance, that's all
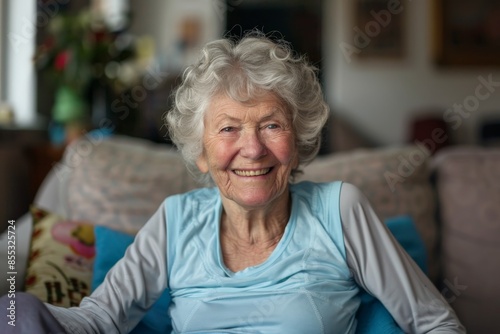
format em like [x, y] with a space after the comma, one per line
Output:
[256, 172]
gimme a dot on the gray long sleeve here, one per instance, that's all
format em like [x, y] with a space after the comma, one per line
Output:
[386, 271]
[134, 284]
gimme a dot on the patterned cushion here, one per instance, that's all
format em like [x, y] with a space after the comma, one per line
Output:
[61, 259]
[120, 182]
[395, 180]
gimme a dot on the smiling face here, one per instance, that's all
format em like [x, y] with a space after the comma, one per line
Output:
[249, 150]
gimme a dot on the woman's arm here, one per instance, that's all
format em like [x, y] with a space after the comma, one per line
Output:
[129, 289]
[385, 270]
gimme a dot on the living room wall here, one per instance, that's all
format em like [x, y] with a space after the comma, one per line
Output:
[167, 22]
[380, 97]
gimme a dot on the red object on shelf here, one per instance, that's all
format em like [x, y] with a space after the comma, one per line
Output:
[431, 131]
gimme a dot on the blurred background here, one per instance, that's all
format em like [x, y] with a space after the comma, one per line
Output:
[392, 71]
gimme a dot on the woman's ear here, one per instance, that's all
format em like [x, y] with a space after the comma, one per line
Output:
[202, 163]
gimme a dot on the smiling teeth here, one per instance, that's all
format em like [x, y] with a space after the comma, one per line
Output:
[252, 172]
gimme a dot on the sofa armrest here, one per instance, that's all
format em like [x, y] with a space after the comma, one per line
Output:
[51, 194]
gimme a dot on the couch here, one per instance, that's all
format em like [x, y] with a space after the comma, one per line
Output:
[452, 198]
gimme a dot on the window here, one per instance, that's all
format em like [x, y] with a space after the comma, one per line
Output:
[18, 45]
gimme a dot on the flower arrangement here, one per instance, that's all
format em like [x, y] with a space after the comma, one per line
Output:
[79, 50]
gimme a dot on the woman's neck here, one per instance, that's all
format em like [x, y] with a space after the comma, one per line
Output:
[248, 237]
[255, 226]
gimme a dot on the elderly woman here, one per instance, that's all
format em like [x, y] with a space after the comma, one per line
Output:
[246, 117]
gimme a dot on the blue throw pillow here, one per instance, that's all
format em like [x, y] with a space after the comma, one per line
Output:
[404, 230]
[110, 246]
[372, 316]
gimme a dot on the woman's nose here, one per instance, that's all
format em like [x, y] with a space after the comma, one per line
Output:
[252, 145]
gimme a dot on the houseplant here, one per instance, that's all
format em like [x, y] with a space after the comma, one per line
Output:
[85, 60]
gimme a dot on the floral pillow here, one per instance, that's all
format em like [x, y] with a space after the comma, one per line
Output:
[61, 259]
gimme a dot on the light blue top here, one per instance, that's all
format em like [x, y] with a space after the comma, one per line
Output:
[304, 286]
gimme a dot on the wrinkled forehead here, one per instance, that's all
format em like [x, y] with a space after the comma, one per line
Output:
[265, 101]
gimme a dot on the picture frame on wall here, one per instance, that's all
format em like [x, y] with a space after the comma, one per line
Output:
[379, 28]
[466, 33]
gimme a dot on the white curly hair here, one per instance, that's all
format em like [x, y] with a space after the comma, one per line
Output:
[244, 71]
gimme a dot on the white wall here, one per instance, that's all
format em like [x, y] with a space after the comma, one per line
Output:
[380, 97]
[19, 44]
[161, 18]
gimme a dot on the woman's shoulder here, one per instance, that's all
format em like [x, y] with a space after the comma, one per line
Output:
[312, 186]
[346, 194]
[199, 194]
[345, 189]
[197, 200]
[351, 195]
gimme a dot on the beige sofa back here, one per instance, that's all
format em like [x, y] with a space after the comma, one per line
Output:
[121, 181]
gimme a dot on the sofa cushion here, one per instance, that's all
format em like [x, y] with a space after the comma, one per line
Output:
[120, 182]
[404, 230]
[61, 259]
[396, 182]
[107, 254]
[468, 183]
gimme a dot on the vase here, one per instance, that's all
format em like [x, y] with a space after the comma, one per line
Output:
[69, 116]
[69, 106]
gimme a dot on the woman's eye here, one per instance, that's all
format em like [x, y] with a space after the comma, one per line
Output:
[227, 129]
[272, 126]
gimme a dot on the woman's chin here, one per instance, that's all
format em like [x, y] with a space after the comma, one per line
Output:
[253, 202]
[257, 198]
